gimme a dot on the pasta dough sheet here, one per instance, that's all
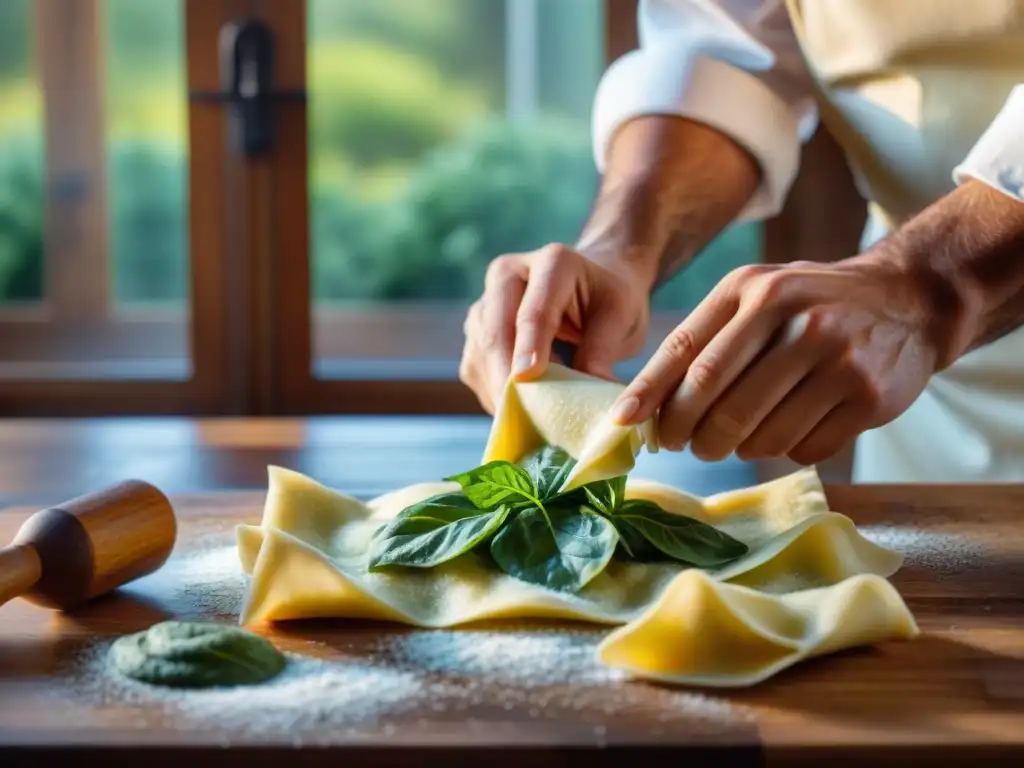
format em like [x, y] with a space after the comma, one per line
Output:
[571, 410]
[810, 583]
[719, 634]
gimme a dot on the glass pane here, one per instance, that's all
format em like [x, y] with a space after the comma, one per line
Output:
[93, 190]
[443, 134]
[21, 160]
[146, 142]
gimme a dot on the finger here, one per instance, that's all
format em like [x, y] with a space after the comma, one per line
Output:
[601, 347]
[470, 375]
[831, 435]
[470, 362]
[722, 362]
[497, 335]
[663, 372]
[549, 289]
[793, 419]
[743, 406]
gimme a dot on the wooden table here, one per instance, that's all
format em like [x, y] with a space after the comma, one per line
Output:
[956, 693]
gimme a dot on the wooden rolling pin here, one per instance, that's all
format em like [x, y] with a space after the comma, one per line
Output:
[86, 547]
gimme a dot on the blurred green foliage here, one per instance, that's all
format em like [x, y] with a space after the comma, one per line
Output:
[21, 219]
[499, 189]
[416, 182]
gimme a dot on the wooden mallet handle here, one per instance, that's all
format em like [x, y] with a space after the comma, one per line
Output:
[86, 547]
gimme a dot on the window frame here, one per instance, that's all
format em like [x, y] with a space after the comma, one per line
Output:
[252, 345]
[806, 229]
[76, 310]
[302, 392]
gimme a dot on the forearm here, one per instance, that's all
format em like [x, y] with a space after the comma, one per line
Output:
[966, 252]
[670, 186]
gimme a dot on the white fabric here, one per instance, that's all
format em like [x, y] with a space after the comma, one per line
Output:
[734, 66]
[998, 157]
[968, 425]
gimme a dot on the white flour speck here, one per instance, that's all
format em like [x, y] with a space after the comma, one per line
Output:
[405, 679]
[528, 658]
[206, 583]
[520, 676]
[942, 553]
[543, 673]
[308, 693]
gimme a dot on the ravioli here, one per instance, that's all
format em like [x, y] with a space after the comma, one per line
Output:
[810, 583]
[571, 410]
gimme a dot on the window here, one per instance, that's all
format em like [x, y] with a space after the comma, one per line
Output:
[148, 265]
[96, 304]
[440, 138]
[442, 135]
[93, 166]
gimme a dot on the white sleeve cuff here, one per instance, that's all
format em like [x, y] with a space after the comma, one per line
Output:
[667, 78]
[997, 159]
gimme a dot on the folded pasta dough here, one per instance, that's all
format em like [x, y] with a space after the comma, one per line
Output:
[707, 633]
[307, 558]
[569, 409]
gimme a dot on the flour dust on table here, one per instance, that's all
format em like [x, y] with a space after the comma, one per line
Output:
[945, 554]
[414, 681]
[204, 583]
[723, 591]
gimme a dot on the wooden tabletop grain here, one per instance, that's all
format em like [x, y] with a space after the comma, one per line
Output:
[954, 694]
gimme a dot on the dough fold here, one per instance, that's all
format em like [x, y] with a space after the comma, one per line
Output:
[810, 583]
[568, 409]
[711, 634]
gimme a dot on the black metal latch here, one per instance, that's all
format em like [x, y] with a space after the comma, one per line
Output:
[247, 79]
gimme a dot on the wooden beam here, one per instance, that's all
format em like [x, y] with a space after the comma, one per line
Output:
[78, 312]
[620, 32]
[70, 73]
[216, 359]
[278, 228]
[824, 214]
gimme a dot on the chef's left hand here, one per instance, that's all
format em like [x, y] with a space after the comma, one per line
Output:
[790, 360]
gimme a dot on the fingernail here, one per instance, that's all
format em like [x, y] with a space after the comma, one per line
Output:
[523, 362]
[623, 410]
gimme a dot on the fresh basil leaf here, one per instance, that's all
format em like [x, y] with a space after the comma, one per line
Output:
[564, 556]
[497, 482]
[434, 531]
[634, 545]
[548, 468]
[682, 538]
[606, 496]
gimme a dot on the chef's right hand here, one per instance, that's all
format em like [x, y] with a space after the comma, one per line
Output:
[531, 299]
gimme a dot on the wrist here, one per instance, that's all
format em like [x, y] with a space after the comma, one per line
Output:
[962, 261]
[671, 186]
[617, 237]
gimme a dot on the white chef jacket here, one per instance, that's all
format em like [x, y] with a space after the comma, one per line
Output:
[923, 95]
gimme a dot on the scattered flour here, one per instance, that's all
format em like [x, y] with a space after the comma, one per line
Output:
[426, 678]
[207, 583]
[420, 679]
[941, 553]
[309, 693]
[528, 658]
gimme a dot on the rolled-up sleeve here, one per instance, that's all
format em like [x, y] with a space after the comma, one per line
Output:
[997, 158]
[735, 66]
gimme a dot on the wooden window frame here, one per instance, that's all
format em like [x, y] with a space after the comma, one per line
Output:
[76, 314]
[806, 229]
[252, 348]
[298, 390]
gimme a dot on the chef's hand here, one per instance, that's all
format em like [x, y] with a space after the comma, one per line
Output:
[530, 299]
[792, 360]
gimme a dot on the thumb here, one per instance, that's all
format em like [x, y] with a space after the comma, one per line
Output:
[604, 342]
[548, 292]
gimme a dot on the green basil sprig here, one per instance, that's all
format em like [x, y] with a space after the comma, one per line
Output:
[535, 532]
